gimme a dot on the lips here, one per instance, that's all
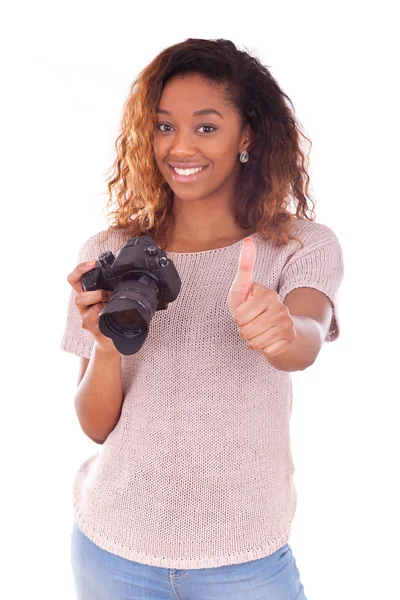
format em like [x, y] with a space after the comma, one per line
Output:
[186, 165]
[187, 178]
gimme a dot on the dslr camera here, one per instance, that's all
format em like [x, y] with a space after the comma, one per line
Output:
[143, 280]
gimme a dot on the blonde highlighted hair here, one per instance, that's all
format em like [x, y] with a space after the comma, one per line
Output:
[274, 185]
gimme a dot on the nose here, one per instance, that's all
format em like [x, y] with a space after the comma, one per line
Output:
[182, 146]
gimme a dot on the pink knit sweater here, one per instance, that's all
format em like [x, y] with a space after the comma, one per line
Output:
[198, 471]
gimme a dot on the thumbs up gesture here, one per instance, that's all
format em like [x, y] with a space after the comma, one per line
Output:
[263, 320]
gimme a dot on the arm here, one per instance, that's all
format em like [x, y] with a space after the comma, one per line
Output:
[311, 311]
[83, 365]
[99, 397]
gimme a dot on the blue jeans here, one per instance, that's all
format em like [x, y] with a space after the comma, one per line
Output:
[100, 575]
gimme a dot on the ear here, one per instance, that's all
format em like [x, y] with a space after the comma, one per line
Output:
[246, 138]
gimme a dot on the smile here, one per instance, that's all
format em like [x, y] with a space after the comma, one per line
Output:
[186, 175]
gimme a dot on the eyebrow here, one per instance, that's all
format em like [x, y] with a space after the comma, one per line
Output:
[204, 111]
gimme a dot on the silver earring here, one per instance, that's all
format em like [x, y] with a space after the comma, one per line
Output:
[244, 157]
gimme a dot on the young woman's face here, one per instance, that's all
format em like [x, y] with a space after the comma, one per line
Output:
[185, 139]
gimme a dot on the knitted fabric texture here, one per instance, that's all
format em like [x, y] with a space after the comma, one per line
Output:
[198, 471]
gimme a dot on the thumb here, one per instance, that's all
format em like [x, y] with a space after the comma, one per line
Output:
[243, 282]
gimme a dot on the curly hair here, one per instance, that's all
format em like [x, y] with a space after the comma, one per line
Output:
[274, 177]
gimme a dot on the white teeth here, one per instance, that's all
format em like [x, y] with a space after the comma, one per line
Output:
[188, 171]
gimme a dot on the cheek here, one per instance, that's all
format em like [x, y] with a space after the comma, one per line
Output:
[160, 152]
[225, 151]
[157, 145]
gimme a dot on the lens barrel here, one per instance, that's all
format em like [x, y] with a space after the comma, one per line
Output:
[126, 317]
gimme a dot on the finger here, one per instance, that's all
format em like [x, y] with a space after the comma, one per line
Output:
[84, 300]
[249, 328]
[270, 335]
[275, 349]
[260, 300]
[90, 316]
[75, 276]
[243, 281]
[244, 274]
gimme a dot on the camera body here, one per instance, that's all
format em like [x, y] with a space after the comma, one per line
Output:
[143, 280]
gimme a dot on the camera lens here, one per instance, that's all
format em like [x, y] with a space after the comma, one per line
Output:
[129, 317]
[126, 317]
[126, 322]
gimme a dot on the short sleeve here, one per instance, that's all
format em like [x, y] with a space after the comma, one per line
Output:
[319, 264]
[75, 339]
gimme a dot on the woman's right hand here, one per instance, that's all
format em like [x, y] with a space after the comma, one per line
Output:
[90, 305]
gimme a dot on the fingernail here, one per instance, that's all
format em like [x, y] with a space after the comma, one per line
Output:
[90, 263]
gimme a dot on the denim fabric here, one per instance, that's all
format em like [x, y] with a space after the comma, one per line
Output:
[100, 575]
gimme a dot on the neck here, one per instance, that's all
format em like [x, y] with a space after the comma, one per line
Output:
[205, 222]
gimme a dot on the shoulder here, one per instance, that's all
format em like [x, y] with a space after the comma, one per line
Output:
[316, 244]
[100, 242]
[313, 233]
[320, 249]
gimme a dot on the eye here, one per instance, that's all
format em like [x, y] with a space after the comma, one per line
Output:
[159, 125]
[162, 125]
[207, 127]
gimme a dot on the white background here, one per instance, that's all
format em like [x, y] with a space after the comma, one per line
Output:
[66, 68]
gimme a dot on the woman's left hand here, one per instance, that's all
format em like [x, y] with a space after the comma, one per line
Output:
[264, 322]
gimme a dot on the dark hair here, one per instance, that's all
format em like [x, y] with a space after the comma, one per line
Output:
[275, 175]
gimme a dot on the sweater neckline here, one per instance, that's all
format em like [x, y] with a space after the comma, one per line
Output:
[231, 246]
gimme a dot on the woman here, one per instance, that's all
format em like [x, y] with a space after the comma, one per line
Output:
[191, 494]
